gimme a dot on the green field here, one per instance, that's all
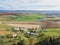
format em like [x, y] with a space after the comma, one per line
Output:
[5, 26]
[29, 17]
[53, 18]
[53, 32]
[23, 17]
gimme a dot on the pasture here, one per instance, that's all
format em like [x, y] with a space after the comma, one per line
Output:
[28, 18]
[6, 29]
[22, 17]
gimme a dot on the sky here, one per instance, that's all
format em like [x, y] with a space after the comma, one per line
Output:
[29, 4]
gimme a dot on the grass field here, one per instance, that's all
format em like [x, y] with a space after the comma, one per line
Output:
[29, 18]
[22, 18]
[5, 26]
[53, 18]
[52, 32]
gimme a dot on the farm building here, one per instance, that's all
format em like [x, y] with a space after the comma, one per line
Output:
[51, 16]
[40, 19]
[30, 33]
[16, 28]
[19, 29]
[14, 35]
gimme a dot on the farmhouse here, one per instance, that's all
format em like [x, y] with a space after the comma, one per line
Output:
[19, 29]
[16, 29]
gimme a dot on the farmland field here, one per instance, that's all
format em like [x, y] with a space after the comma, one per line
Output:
[8, 23]
[29, 18]
[22, 18]
[53, 32]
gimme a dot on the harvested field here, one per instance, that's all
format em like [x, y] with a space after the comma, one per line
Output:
[24, 24]
[3, 32]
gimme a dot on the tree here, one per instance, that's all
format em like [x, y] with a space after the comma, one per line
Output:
[49, 41]
[21, 42]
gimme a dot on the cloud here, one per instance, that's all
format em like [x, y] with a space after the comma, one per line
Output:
[30, 4]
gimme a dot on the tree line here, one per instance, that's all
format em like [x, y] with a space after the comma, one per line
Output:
[50, 41]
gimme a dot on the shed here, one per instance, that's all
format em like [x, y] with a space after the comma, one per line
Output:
[40, 19]
[16, 29]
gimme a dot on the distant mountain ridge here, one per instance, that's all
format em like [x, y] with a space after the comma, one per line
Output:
[19, 11]
[33, 11]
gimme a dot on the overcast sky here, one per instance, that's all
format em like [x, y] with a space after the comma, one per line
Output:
[30, 4]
